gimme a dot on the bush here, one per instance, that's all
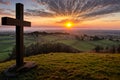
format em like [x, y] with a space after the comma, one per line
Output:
[45, 48]
[98, 49]
[107, 49]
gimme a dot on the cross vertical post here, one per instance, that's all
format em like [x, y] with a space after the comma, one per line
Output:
[19, 36]
[19, 23]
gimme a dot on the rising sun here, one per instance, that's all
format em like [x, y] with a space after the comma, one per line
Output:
[69, 24]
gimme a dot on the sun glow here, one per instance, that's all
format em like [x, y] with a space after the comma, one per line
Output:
[69, 24]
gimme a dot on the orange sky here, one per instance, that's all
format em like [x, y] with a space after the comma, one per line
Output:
[52, 16]
[108, 22]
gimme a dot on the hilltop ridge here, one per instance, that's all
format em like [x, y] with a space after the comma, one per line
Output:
[64, 66]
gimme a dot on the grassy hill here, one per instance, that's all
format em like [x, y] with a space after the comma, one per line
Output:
[7, 42]
[64, 66]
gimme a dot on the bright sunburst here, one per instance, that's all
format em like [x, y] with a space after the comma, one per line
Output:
[69, 24]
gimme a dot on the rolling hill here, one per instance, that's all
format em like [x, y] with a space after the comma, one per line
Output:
[7, 41]
[64, 66]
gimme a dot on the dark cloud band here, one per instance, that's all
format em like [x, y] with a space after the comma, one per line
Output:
[6, 11]
[78, 9]
[4, 2]
[30, 12]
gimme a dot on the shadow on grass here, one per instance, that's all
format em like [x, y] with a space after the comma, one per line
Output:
[29, 75]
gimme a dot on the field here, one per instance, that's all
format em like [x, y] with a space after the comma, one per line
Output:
[86, 65]
[64, 66]
[7, 42]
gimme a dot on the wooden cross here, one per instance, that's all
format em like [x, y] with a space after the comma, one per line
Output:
[19, 23]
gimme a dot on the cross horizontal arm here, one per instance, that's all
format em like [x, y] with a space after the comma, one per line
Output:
[14, 22]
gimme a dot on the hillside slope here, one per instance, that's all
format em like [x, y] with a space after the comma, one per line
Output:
[82, 43]
[64, 66]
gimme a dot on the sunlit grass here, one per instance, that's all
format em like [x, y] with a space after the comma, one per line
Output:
[64, 66]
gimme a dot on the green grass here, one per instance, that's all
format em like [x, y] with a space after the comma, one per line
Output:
[4, 56]
[104, 43]
[8, 42]
[88, 45]
[80, 45]
[63, 66]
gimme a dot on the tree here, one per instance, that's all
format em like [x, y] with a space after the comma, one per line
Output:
[95, 38]
[98, 48]
[113, 49]
[118, 49]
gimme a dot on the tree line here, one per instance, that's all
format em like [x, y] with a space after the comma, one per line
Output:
[45, 48]
[107, 49]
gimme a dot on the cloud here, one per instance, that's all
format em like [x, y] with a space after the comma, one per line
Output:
[30, 12]
[68, 20]
[106, 10]
[6, 2]
[6, 11]
[112, 20]
[78, 9]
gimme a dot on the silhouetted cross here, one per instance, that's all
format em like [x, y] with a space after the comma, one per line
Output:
[19, 23]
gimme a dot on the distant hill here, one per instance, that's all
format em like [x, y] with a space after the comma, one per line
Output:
[83, 41]
[62, 66]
